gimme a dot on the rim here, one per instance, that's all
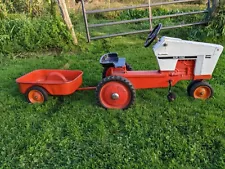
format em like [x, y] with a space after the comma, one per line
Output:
[112, 89]
[202, 92]
[36, 96]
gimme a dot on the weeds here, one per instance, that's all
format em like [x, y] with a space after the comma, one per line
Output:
[216, 28]
[26, 34]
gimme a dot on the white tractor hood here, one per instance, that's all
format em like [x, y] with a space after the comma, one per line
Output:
[169, 50]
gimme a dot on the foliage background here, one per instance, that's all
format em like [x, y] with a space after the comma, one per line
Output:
[28, 26]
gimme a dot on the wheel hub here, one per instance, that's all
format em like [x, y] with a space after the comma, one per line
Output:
[202, 92]
[115, 96]
[35, 96]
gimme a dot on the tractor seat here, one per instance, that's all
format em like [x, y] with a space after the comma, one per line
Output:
[112, 59]
[120, 63]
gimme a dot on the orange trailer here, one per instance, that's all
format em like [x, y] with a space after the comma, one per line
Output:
[37, 84]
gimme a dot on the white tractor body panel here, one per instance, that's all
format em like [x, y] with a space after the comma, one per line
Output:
[169, 50]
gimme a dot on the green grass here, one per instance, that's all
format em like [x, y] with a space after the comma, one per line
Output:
[77, 133]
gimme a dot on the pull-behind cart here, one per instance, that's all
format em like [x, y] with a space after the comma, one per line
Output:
[177, 59]
[37, 85]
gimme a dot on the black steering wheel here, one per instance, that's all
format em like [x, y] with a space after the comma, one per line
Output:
[152, 35]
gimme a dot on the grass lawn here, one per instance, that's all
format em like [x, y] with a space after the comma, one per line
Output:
[77, 133]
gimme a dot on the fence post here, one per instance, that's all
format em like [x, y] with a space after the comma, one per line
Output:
[215, 5]
[66, 17]
[85, 21]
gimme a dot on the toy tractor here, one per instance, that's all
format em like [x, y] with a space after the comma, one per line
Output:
[177, 59]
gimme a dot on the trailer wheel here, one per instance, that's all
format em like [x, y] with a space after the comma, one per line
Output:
[201, 90]
[115, 92]
[36, 94]
[106, 70]
[190, 85]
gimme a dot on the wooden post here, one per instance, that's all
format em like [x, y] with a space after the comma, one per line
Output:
[215, 5]
[66, 17]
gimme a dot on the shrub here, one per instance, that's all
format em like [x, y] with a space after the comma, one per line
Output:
[216, 27]
[19, 34]
[33, 8]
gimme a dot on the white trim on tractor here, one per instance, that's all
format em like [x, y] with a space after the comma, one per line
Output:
[169, 50]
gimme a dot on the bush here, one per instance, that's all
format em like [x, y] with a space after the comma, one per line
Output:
[33, 8]
[18, 34]
[216, 27]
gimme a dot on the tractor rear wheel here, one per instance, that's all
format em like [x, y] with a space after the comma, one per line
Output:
[201, 90]
[36, 94]
[106, 70]
[115, 92]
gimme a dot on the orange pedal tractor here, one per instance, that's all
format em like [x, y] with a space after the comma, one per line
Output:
[177, 59]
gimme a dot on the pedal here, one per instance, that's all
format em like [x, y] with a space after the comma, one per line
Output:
[171, 96]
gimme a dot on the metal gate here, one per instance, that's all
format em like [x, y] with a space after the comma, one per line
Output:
[150, 18]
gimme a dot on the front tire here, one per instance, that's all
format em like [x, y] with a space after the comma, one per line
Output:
[115, 92]
[190, 85]
[201, 90]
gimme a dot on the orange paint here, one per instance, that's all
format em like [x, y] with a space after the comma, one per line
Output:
[202, 77]
[36, 96]
[55, 82]
[120, 91]
[65, 82]
[159, 79]
[202, 92]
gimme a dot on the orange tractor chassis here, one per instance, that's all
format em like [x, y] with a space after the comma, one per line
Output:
[158, 79]
[117, 89]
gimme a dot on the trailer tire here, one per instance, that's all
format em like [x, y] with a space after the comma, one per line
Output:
[36, 94]
[115, 92]
[201, 90]
[106, 70]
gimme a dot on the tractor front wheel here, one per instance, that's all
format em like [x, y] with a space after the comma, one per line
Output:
[115, 92]
[107, 70]
[190, 85]
[201, 90]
